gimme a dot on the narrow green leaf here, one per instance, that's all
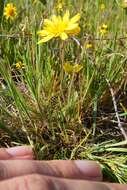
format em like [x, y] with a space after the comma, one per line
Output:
[116, 150]
[1, 9]
[117, 144]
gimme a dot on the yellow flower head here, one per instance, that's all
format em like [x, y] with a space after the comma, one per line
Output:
[34, 1]
[19, 65]
[89, 45]
[59, 26]
[69, 68]
[103, 29]
[124, 4]
[59, 5]
[102, 7]
[10, 11]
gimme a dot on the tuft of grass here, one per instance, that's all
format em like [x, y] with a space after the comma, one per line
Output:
[66, 115]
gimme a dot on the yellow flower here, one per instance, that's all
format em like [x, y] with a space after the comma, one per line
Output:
[103, 29]
[34, 1]
[124, 4]
[69, 68]
[59, 5]
[10, 11]
[19, 65]
[88, 45]
[59, 26]
[102, 7]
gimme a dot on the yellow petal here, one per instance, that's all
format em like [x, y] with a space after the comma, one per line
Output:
[72, 68]
[56, 19]
[66, 16]
[75, 18]
[48, 22]
[68, 68]
[77, 68]
[45, 39]
[72, 26]
[75, 31]
[63, 36]
[43, 33]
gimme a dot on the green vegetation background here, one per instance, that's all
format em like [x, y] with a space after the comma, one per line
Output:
[66, 116]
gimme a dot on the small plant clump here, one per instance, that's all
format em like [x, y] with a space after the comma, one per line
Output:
[63, 80]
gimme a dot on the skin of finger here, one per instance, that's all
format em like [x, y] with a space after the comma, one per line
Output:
[39, 182]
[88, 170]
[4, 155]
[29, 157]
[66, 169]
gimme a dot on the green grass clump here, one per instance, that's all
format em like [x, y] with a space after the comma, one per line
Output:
[66, 115]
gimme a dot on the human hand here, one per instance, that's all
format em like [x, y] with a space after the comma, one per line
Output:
[16, 153]
[51, 175]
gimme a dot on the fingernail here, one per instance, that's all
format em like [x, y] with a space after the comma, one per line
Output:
[19, 151]
[90, 169]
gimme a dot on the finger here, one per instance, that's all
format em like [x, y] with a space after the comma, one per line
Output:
[40, 182]
[21, 152]
[67, 169]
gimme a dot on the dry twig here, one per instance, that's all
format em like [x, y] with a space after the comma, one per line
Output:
[116, 109]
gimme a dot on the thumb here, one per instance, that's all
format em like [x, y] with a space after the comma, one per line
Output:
[19, 152]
